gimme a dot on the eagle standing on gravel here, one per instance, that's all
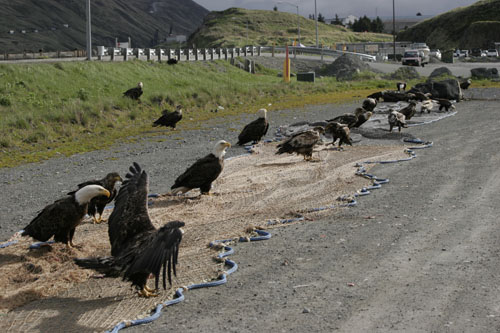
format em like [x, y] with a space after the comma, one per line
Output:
[396, 119]
[61, 218]
[255, 130]
[138, 249]
[169, 119]
[301, 143]
[97, 204]
[134, 93]
[409, 111]
[347, 119]
[339, 131]
[203, 172]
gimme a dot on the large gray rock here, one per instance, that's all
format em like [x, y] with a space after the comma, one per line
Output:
[449, 89]
[405, 73]
[440, 71]
[485, 73]
[345, 67]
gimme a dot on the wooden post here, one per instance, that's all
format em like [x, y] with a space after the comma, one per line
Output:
[125, 54]
[258, 50]
[219, 53]
[159, 55]
[186, 51]
[195, 50]
[272, 51]
[211, 50]
[169, 54]
[204, 54]
[245, 51]
[178, 54]
[225, 53]
[251, 50]
[148, 54]
[112, 50]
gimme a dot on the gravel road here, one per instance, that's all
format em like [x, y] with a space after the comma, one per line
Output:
[419, 255]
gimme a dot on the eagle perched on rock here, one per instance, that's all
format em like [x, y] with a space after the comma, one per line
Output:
[61, 218]
[138, 249]
[97, 204]
[134, 93]
[203, 172]
[169, 119]
[301, 143]
[255, 130]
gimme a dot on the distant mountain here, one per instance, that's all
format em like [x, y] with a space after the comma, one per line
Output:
[60, 24]
[239, 27]
[474, 26]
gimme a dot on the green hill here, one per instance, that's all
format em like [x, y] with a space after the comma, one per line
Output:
[111, 19]
[477, 25]
[229, 28]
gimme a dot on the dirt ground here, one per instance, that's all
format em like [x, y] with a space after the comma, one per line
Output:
[421, 254]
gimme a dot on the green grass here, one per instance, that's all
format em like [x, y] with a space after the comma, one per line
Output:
[67, 108]
[228, 28]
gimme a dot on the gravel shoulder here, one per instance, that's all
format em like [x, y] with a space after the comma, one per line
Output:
[421, 254]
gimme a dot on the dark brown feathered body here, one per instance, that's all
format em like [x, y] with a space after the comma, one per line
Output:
[97, 204]
[377, 96]
[201, 174]
[253, 131]
[339, 131]
[396, 119]
[465, 84]
[168, 119]
[301, 143]
[138, 249]
[444, 104]
[60, 218]
[348, 119]
[362, 118]
[409, 111]
[134, 93]
[369, 104]
[419, 96]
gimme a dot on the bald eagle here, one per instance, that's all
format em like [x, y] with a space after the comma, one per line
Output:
[401, 86]
[465, 84]
[169, 119]
[301, 143]
[396, 119]
[362, 118]
[97, 204]
[339, 131]
[445, 104]
[134, 93]
[348, 119]
[138, 249]
[203, 172]
[409, 111]
[426, 105]
[60, 218]
[255, 130]
[369, 104]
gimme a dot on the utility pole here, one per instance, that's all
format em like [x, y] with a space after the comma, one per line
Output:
[316, 18]
[394, 31]
[89, 33]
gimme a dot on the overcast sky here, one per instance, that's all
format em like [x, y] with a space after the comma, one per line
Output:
[344, 7]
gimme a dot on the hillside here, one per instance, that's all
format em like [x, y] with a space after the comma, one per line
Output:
[138, 19]
[229, 28]
[468, 27]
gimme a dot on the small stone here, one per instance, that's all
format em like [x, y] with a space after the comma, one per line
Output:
[306, 310]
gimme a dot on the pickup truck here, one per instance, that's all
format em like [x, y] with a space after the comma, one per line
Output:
[413, 58]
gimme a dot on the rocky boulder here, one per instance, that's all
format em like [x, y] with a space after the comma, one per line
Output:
[345, 67]
[485, 73]
[440, 71]
[448, 89]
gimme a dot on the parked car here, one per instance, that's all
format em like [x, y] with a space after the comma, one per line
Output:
[413, 58]
[461, 53]
[492, 53]
[476, 52]
[425, 51]
[435, 53]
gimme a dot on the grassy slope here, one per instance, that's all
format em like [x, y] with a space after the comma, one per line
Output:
[228, 28]
[446, 31]
[65, 108]
[110, 19]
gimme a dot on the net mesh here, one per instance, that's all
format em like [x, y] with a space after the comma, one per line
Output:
[44, 290]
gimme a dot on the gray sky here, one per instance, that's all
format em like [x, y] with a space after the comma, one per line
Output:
[345, 7]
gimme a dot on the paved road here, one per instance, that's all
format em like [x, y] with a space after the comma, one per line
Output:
[422, 254]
